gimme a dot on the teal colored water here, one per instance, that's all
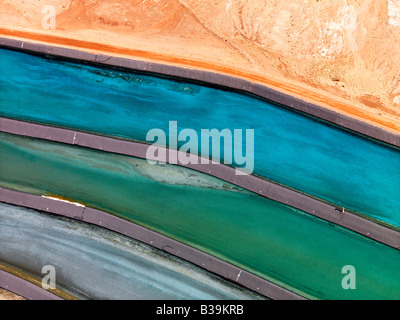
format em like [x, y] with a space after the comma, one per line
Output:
[291, 149]
[93, 263]
[284, 245]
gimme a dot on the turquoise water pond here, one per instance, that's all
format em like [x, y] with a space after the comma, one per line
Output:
[289, 148]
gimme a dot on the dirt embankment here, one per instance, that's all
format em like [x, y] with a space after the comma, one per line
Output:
[7, 295]
[343, 54]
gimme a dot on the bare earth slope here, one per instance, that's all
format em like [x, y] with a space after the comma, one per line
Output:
[342, 54]
[7, 295]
